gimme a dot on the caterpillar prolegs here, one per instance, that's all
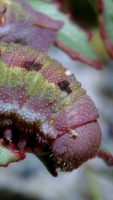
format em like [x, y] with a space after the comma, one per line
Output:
[44, 110]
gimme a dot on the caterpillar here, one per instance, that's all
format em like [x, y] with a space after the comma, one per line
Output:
[44, 110]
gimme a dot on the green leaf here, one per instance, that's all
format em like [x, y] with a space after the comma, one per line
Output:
[108, 18]
[71, 38]
[106, 25]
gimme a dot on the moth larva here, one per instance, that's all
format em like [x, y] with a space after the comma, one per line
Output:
[44, 110]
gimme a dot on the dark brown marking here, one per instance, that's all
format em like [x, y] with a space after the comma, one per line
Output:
[37, 66]
[19, 41]
[68, 90]
[28, 64]
[64, 86]
[31, 65]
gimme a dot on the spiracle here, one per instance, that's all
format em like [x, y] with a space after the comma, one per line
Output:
[44, 110]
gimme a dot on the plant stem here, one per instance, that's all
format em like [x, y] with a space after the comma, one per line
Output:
[105, 155]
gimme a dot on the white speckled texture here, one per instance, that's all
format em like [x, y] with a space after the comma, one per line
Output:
[31, 178]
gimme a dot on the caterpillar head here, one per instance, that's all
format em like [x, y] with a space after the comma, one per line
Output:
[70, 150]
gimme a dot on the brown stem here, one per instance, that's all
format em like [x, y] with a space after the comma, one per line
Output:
[106, 156]
[100, 6]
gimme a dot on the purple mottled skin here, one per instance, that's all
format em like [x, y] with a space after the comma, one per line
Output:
[44, 110]
[20, 23]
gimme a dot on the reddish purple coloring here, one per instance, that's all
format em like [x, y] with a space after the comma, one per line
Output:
[44, 110]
